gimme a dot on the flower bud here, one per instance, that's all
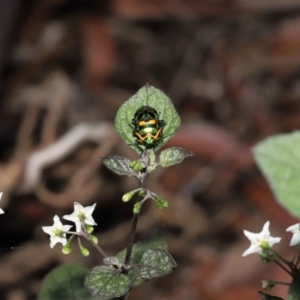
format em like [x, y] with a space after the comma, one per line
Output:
[267, 284]
[137, 208]
[66, 249]
[128, 196]
[84, 251]
[94, 239]
[136, 165]
[161, 203]
[88, 228]
[142, 193]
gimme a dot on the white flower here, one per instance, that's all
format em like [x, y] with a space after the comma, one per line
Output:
[1, 210]
[81, 215]
[57, 232]
[295, 229]
[260, 241]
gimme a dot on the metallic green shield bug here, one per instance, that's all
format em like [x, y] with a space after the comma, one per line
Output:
[161, 109]
[148, 129]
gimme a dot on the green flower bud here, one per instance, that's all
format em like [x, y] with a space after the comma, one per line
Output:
[128, 196]
[132, 164]
[66, 249]
[89, 228]
[142, 193]
[136, 165]
[161, 203]
[94, 239]
[137, 208]
[84, 251]
[267, 284]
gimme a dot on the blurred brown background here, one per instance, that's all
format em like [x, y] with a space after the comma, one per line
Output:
[232, 70]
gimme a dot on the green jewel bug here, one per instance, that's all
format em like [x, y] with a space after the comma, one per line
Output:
[148, 129]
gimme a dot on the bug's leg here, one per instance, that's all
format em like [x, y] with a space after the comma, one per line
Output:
[160, 139]
[133, 124]
[161, 123]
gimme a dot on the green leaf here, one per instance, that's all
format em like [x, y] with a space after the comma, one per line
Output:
[156, 263]
[151, 241]
[278, 158]
[120, 165]
[65, 282]
[107, 282]
[111, 260]
[269, 297]
[173, 156]
[154, 240]
[147, 96]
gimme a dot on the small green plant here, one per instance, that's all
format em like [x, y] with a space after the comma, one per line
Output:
[146, 122]
[278, 157]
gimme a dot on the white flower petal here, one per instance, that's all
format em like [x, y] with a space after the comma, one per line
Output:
[57, 232]
[273, 240]
[295, 229]
[56, 239]
[75, 220]
[48, 230]
[250, 235]
[252, 249]
[295, 240]
[265, 230]
[81, 215]
[89, 219]
[259, 239]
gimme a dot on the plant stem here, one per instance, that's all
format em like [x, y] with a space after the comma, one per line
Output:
[98, 248]
[134, 222]
[86, 236]
[132, 233]
[282, 266]
[131, 238]
[133, 228]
